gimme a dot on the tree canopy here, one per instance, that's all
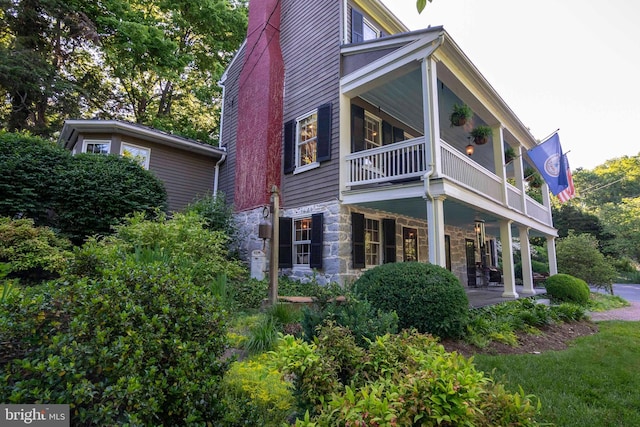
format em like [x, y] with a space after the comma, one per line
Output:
[153, 62]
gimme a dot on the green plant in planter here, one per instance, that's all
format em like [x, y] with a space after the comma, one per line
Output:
[533, 177]
[460, 114]
[480, 134]
[509, 154]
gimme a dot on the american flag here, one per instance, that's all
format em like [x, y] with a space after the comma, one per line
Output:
[569, 192]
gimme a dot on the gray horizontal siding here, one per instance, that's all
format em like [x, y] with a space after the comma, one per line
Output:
[226, 183]
[310, 40]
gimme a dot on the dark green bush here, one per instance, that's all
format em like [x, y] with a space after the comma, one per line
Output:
[32, 253]
[78, 195]
[425, 296]
[359, 316]
[217, 214]
[566, 288]
[140, 346]
[579, 256]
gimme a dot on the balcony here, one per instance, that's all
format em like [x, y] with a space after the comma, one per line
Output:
[406, 162]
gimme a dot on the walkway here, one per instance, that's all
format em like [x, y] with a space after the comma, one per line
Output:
[480, 297]
[631, 313]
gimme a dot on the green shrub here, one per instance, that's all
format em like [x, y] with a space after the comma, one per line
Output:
[78, 195]
[248, 294]
[253, 393]
[405, 379]
[140, 346]
[217, 215]
[32, 253]
[568, 312]
[578, 255]
[566, 288]
[426, 297]
[359, 316]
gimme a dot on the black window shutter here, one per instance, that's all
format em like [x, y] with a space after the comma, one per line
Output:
[357, 128]
[389, 230]
[285, 254]
[356, 27]
[317, 244]
[387, 133]
[324, 133]
[289, 146]
[357, 240]
[398, 134]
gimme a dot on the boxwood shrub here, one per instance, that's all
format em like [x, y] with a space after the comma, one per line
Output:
[426, 297]
[566, 288]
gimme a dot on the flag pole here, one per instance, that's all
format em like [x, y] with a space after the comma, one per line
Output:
[550, 135]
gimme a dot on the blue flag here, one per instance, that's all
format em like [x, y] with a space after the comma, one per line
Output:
[548, 159]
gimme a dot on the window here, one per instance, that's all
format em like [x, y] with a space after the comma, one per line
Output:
[137, 153]
[361, 28]
[369, 32]
[96, 147]
[307, 141]
[410, 244]
[372, 241]
[302, 241]
[371, 131]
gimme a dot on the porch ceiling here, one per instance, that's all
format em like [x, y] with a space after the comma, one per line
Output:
[401, 98]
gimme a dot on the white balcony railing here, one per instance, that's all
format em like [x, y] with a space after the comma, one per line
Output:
[461, 169]
[538, 211]
[399, 161]
[514, 198]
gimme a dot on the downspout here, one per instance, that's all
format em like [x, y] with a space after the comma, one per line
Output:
[427, 119]
[216, 171]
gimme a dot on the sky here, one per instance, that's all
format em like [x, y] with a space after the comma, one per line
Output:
[572, 65]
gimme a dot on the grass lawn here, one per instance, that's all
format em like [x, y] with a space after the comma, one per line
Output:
[596, 382]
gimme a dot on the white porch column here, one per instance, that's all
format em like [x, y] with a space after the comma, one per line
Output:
[430, 114]
[508, 275]
[498, 160]
[525, 255]
[551, 253]
[435, 231]
[546, 200]
[519, 174]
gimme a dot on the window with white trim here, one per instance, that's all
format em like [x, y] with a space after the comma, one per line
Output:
[137, 153]
[372, 125]
[302, 241]
[307, 141]
[369, 31]
[96, 146]
[372, 241]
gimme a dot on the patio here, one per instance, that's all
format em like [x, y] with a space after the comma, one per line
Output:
[480, 297]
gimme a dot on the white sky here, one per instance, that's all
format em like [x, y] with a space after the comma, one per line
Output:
[572, 65]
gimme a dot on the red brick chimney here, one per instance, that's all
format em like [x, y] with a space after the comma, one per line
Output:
[260, 95]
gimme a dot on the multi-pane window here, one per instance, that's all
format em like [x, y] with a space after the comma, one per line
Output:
[96, 147]
[139, 154]
[371, 131]
[372, 241]
[302, 241]
[307, 140]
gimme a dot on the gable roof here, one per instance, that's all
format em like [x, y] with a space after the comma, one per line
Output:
[73, 128]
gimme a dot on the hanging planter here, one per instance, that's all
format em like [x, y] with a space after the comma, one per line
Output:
[509, 154]
[460, 114]
[533, 177]
[481, 134]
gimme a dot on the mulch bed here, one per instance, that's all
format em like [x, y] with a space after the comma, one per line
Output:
[552, 337]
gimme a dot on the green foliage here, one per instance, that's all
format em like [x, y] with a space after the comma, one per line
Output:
[96, 192]
[217, 214]
[78, 195]
[139, 345]
[405, 379]
[181, 242]
[578, 256]
[31, 253]
[460, 114]
[262, 336]
[248, 294]
[359, 316]
[564, 287]
[426, 297]
[254, 393]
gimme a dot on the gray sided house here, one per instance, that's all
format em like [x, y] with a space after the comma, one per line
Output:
[348, 113]
[187, 168]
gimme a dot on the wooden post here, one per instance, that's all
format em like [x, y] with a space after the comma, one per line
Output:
[275, 244]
